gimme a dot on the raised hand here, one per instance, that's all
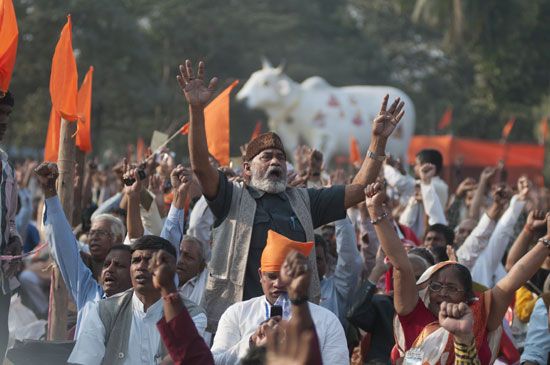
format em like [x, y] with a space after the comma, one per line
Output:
[195, 90]
[457, 318]
[536, 220]
[385, 122]
[375, 196]
[487, 176]
[181, 179]
[47, 174]
[296, 275]
[338, 177]
[427, 172]
[131, 180]
[466, 185]
[501, 196]
[163, 268]
[524, 187]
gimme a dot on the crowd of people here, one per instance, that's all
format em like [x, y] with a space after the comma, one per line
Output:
[274, 262]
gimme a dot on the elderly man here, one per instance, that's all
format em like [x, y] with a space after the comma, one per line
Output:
[245, 212]
[122, 329]
[10, 242]
[191, 269]
[243, 325]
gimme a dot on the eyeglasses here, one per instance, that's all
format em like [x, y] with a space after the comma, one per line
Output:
[99, 232]
[451, 289]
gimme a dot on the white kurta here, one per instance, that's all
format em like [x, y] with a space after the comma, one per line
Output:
[144, 338]
[241, 320]
[194, 288]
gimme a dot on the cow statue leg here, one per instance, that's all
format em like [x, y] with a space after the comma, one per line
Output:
[289, 137]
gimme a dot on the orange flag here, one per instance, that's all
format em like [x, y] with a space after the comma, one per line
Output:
[185, 129]
[446, 119]
[216, 123]
[8, 43]
[543, 130]
[64, 76]
[51, 150]
[257, 130]
[140, 149]
[84, 103]
[354, 151]
[508, 127]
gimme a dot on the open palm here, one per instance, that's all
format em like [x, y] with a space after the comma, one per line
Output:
[385, 122]
[197, 93]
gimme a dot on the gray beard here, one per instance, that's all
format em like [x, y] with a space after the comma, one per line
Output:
[269, 186]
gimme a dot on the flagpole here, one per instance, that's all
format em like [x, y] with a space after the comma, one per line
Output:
[57, 318]
[173, 136]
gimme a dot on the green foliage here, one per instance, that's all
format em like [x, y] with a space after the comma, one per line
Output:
[487, 59]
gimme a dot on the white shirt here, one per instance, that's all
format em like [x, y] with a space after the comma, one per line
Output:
[476, 242]
[488, 269]
[201, 221]
[241, 320]
[144, 340]
[194, 288]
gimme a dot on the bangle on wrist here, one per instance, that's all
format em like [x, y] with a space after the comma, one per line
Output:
[379, 218]
[545, 242]
[171, 297]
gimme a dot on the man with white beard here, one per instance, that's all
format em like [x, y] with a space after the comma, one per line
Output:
[245, 212]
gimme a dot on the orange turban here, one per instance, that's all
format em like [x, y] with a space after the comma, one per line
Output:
[277, 248]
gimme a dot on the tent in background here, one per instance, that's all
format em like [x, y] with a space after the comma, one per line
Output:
[467, 157]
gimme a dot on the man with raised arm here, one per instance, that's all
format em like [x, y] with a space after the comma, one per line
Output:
[245, 212]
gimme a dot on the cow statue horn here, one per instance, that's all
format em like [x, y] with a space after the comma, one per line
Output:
[281, 67]
[265, 63]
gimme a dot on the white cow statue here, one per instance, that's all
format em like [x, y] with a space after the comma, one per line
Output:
[323, 116]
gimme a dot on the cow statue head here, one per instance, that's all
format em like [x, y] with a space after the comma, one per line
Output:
[269, 89]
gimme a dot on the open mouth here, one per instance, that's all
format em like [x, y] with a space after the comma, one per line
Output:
[141, 278]
[274, 174]
[109, 281]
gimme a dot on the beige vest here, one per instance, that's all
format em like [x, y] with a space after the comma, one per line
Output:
[116, 314]
[231, 243]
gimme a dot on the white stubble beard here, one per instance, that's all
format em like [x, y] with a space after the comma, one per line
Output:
[263, 183]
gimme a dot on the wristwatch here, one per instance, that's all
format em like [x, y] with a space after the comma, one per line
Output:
[375, 157]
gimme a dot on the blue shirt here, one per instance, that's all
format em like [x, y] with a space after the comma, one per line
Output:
[537, 343]
[64, 248]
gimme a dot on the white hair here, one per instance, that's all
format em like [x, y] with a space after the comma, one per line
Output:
[204, 251]
[118, 230]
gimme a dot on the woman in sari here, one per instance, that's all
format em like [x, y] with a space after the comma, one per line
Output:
[419, 336]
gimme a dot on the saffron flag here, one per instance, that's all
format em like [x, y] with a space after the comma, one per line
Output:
[140, 149]
[8, 43]
[84, 103]
[354, 151]
[543, 130]
[257, 130]
[446, 119]
[216, 124]
[51, 149]
[185, 129]
[508, 127]
[64, 76]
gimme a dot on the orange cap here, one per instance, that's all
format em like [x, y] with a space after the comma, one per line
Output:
[277, 248]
